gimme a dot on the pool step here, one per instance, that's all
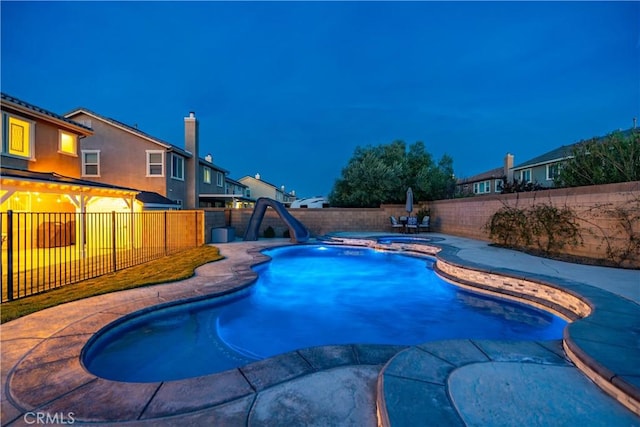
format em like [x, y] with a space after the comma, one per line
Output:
[413, 389]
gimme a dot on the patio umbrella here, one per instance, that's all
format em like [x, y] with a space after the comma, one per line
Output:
[409, 204]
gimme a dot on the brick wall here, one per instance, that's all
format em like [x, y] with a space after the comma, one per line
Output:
[461, 217]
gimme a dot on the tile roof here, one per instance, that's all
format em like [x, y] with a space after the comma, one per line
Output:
[41, 111]
[493, 173]
[130, 129]
[8, 172]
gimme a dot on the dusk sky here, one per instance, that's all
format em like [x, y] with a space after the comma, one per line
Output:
[290, 89]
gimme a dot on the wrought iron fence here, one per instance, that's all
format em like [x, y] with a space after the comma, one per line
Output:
[43, 251]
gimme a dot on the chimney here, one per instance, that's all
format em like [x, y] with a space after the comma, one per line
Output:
[192, 167]
[508, 167]
[282, 188]
[209, 158]
[258, 176]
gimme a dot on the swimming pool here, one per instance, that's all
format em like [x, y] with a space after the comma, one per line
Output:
[309, 295]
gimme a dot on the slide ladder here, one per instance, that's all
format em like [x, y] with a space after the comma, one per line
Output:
[297, 231]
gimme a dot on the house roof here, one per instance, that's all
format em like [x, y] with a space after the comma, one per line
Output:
[562, 153]
[130, 129]
[490, 174]
[151, 198]
[233, 181]
[19, 104]
[555, 155]
[53, 177]
[211, 165]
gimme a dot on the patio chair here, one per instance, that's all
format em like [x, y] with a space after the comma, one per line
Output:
[395, 224]
[412, 224]
[425, 224]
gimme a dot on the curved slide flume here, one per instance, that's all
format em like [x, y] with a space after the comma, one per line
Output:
[297, 230]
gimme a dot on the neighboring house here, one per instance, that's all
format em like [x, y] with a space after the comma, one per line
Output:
[486, 182]
[120, 154]
[545, 168]
[41, 167]
[257, 188]
[217, 189]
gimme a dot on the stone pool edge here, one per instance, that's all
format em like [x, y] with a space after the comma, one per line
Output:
[563, 298]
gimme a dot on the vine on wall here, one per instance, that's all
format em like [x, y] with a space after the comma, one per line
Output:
[542, 226]
[548, 229]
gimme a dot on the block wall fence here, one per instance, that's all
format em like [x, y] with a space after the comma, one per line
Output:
[465, 217]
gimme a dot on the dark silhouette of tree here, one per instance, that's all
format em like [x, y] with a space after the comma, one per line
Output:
[381, 174]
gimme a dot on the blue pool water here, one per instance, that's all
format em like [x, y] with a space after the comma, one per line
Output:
[309, 296]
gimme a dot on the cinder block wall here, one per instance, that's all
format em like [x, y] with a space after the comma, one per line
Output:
[462, 217]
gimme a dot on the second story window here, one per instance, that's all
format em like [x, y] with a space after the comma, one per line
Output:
[219, 179]
[177, 167]
[67, 143]
[90, 163]
[155, 163]
[206, 175]
[18, 137]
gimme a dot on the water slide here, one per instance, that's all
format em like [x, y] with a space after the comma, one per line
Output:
[297, 231]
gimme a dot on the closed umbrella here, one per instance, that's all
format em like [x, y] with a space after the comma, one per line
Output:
[409, 204]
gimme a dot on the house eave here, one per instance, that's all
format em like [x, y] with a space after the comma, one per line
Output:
[78, 129]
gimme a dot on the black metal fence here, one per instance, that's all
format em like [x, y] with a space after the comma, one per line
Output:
[43, 251]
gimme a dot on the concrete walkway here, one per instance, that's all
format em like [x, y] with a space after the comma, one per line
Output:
[461, 382]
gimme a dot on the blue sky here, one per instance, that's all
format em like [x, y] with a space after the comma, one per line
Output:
[289, 89]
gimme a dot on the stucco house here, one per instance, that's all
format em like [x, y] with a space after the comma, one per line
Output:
[120, 154]
[41, 167]
[257, 187]
[123, 154]
[544, 168]
[488, 182]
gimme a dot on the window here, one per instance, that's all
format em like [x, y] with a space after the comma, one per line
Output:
[18, 137]
[553, 170]
[155, 163]
[90, 163]
[206, 175]
[525, 175]
[497, 186]
[482, 187]
[67, 143]
[219, 179]
[177, 167]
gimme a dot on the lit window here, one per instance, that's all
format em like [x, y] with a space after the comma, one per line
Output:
[67, 143]
[90, 163]
[220, 179]
[177, 167]
[155, 163]
[206, 175]
[19, 137]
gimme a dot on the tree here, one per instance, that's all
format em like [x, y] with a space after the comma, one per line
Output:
[614, 158]
[382, 174]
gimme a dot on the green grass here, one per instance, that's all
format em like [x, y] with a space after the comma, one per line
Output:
[174, 267]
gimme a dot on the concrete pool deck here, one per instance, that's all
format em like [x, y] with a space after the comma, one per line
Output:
[462, 382]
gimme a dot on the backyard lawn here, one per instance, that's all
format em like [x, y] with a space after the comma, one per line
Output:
[171, 268]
